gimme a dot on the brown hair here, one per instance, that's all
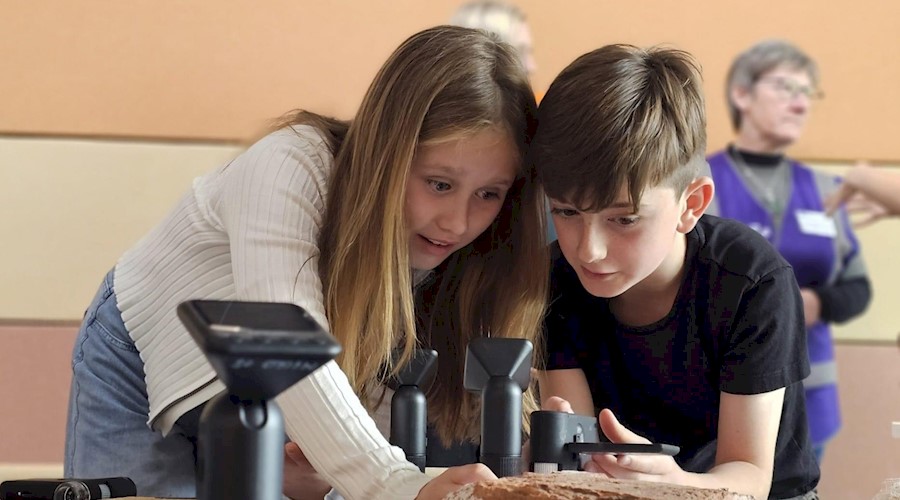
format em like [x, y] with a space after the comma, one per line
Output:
[441, 84]
[621, 116]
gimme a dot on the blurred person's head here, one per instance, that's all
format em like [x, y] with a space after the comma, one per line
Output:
[770, 89]
[504, 19]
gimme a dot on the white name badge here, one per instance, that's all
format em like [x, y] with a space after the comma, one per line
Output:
[816, 223]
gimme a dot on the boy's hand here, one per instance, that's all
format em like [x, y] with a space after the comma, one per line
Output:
[637, 466]
[453, 479]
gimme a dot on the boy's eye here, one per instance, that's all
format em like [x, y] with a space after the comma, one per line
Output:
[629, 220]
[564, 212]
[439, 186]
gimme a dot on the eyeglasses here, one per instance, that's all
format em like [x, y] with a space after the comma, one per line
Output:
[789, 89]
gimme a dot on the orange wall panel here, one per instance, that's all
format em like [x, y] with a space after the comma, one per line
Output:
[215, 70]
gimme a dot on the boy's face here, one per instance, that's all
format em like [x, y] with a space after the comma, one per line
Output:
[615, 249]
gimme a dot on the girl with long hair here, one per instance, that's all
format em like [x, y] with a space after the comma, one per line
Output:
[418, 222]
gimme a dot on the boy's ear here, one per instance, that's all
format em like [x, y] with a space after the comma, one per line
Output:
[697, 197]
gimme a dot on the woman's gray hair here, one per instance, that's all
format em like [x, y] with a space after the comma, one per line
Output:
[753, 63]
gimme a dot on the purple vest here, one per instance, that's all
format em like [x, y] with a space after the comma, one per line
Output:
[813, 257]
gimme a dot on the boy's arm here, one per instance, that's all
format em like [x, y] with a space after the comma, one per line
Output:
[748, 429]
[745, 455]
[766, 353]
[570, 385]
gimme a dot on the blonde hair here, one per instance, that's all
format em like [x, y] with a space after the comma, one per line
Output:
[441, 84]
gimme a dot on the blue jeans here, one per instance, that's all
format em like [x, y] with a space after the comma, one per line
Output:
[107, 433]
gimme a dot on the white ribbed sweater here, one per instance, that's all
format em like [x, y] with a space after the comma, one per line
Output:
[248, 231]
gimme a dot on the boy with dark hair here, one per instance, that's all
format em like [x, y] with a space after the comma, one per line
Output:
[682, 329]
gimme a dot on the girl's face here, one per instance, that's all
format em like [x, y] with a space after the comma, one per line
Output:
[454, 193]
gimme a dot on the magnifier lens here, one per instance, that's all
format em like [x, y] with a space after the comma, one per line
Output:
[72, 490]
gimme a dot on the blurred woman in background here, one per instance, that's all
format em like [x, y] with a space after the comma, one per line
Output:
[506, 20]
[771, 89]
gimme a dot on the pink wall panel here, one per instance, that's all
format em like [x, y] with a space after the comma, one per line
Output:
[35, 375]
[35, 370]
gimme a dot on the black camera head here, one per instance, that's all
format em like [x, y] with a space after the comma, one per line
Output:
[258, 349]
[489, 357]
[419, 371]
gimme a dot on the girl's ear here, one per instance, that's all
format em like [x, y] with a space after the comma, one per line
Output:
[696, 198]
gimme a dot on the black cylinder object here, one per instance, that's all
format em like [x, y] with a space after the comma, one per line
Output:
[501, 426]
[240, 450]
[551, 431]
[409, 422]
[499, 369]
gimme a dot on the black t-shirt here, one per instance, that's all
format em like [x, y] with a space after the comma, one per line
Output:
[736, 327]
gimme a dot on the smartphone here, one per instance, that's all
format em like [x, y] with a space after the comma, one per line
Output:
[623, 448]
[559, 437]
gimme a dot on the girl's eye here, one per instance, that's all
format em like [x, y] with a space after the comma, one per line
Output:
[439, 186]
[489, 195]
[626, 221]
[564, 212]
